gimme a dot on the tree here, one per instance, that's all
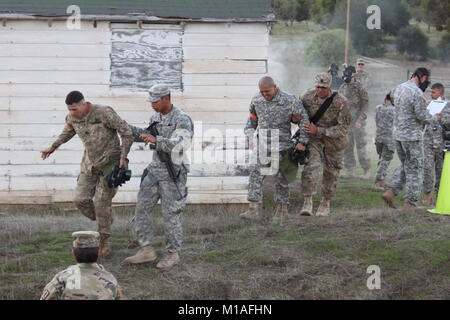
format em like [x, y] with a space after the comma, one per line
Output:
[366, 42]
[322, 10]
[437, 13]
[394, 15]
[412, 41]
[328, 47]
[303, 11]
[285, 10]
[444, 48]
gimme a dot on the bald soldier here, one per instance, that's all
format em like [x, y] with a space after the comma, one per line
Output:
[86, 280]
[328, 136]
[98, 128]
[271, 113]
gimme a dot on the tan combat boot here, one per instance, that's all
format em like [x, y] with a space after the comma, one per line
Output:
[307, 207]
[281, 213]
[252, 213]
[427, 199]
[389, 198]
[378, 185]
[103, 247]
[324, 208]
[145, 254]
[349, 173]
[169, 260]
[366, 175]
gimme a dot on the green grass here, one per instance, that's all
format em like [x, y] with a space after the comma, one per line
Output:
[306, 258]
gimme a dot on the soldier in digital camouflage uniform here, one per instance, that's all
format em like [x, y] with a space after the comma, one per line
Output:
[409, 118]
[359, 104]
[271, 113]
[385, 146]
[433, 148]
[97, 126]
[176, 130]
[86, 280]
[329, 138]
[362, 76]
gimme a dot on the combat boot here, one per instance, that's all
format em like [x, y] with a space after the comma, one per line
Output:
[349, 173]
[408, 207]
[103, 247]
[169, 260]
[389, 198]
[366, 175]
[427, 199]
[307, 207]
[145, 254]
[252, 213]
[324, 208]
[281, 213]
[378, 185]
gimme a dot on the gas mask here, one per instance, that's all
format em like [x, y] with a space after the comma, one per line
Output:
[424, 85]
[347, 73]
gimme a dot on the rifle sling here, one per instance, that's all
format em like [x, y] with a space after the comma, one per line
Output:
[323, 108]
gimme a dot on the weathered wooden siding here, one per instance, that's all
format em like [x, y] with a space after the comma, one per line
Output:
[143, 57]
[39, 65]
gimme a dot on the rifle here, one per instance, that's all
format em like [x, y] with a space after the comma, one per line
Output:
[164, 156]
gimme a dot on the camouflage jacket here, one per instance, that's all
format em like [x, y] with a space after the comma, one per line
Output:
[384, 120]
[335, 122]
[83, 281]
[98, 132]
[410, 113]
[363, 77]
[445, 117]
[176, 130]
[358, 100]
[276, 115]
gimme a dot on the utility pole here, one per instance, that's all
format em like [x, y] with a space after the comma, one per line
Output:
[347, 34]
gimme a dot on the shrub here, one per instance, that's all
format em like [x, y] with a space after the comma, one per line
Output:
[328, 47]
[443, 48]
[412, 41]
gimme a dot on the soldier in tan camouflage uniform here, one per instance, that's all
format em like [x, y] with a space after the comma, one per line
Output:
[362, 76]
[271, 113]
[359, 104]
[86, 280]
[433, 147]
[97, 126]
[328, 137]
[384, 143]
[175, 130]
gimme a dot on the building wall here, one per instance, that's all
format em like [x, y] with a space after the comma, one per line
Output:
[40, 64]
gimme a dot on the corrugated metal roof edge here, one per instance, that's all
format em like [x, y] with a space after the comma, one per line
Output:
[16, 16]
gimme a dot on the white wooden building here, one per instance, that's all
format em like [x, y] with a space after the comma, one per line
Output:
[212, 54]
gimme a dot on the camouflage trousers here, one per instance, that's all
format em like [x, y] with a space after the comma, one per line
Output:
[410, 171]
[385, 155]
[99, 209]
[432, 167]
[357, 137]
[332, 164]
[256, 180]
[156, 186]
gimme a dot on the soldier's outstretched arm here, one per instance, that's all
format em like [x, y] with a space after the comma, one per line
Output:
[115, 122]
[67, 134]
[183, 134]
[420, 109]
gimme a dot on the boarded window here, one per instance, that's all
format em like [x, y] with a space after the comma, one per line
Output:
[143, 57]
